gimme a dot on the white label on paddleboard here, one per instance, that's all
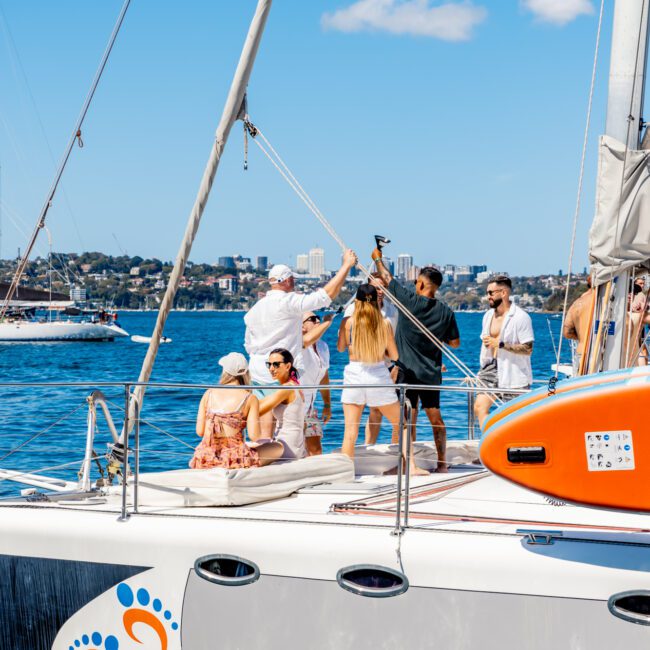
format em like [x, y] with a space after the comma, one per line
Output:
[608, 451]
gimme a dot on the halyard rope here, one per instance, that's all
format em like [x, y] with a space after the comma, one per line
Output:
[293, 182]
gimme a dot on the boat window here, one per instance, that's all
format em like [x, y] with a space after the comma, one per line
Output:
[372, 581]
[227, 570]
[632, 606]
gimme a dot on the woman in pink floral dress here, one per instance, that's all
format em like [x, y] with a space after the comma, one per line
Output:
[224, 414]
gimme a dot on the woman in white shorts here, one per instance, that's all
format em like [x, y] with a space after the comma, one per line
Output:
[369, 339]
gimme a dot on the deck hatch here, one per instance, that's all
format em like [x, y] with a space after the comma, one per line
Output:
[372, 581]
[631, 606]
[229, 570]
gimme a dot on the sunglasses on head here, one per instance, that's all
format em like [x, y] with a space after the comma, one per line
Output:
[274, 364]
[312, 319]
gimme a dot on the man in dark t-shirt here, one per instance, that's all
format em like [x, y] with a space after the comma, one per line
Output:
[420, 360]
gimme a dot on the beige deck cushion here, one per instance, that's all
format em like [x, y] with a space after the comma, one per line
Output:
[237, 487]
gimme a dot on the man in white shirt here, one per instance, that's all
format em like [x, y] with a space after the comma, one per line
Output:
[507, 344]
[275, 321]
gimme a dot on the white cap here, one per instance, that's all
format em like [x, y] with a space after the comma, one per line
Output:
[234, 364]
[280, 273]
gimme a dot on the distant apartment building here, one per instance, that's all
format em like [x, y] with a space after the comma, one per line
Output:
[77, 293]
[404, 264]
[316, 262]
[243, 263]
[413, 273]
[261, 262]
[302, 263]
[228, 284]
[226, 262]
[134, 271]
[483, 276]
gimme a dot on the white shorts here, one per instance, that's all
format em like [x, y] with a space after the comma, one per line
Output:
[357, 372]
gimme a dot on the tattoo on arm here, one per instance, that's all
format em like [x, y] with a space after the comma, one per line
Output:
[519, 348]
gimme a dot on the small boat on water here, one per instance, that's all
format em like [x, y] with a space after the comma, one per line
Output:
[136, 338]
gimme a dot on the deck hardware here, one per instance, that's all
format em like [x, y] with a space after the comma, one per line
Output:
[631, 606]
[228, 570]
[372, 581]
[540, 537]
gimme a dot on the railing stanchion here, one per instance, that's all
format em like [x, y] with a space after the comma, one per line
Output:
[470, 415]
[410, 432]
[124, 515]
[400, 450]
[136, 458]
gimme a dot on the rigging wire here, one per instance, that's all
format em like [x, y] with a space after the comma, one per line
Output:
[286, 173]
[50, 196]
[576, 214]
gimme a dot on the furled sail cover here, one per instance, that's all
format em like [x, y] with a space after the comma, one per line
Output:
[620, 237]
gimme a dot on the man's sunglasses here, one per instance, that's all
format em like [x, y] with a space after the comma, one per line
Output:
[491, 293]
[312, 319]
[274, 364]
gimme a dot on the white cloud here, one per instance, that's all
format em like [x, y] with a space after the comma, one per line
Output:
[558, 12]
[450, 21]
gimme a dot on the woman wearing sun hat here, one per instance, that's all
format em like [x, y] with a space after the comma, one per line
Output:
[223, 415]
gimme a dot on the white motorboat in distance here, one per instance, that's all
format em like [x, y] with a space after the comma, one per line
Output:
[22, 331]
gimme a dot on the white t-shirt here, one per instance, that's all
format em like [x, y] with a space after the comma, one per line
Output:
[388, 311]
[275, 321]
[315, 364]
[514, 370]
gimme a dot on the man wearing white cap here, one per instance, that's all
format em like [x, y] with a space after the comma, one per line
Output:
[275, 321]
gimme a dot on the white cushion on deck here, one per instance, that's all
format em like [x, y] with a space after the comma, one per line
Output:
[377, 459]
[237, 487]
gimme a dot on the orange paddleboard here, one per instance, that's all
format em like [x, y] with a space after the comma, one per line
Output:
[590, 445]
[563, 386]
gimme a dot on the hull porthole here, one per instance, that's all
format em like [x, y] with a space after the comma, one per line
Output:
[631, 606]
[228, 570]
[372, 581]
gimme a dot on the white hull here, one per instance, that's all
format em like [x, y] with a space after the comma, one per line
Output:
[24, 332]
[474, 579]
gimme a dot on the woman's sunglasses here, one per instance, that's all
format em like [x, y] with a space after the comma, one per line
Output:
[312, 319]
[274, 364]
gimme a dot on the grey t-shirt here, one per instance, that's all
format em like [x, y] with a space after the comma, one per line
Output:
[416, 351]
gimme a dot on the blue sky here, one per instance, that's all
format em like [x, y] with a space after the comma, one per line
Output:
[453, 127]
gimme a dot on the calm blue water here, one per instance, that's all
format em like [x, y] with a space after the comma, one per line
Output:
[199, 339]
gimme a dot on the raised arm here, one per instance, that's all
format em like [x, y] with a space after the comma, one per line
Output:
[381, 269]
[200, 416]
[317, 332]
[333, 287]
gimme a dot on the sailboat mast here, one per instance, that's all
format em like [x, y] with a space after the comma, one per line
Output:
[624, 122]
[231, 112]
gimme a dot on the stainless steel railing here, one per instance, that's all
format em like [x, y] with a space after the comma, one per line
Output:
[98, 399]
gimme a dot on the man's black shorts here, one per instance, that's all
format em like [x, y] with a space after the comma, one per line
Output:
[429, 399]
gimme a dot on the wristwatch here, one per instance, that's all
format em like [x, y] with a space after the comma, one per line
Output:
[501, 345]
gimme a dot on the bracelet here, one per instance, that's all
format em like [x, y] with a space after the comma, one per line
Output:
[376, 259]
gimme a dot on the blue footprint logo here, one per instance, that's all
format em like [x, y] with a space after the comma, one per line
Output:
[95, 641]
[155, 616]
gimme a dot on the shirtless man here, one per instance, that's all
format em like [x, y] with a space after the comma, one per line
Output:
[576, 324]
[507, 343]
